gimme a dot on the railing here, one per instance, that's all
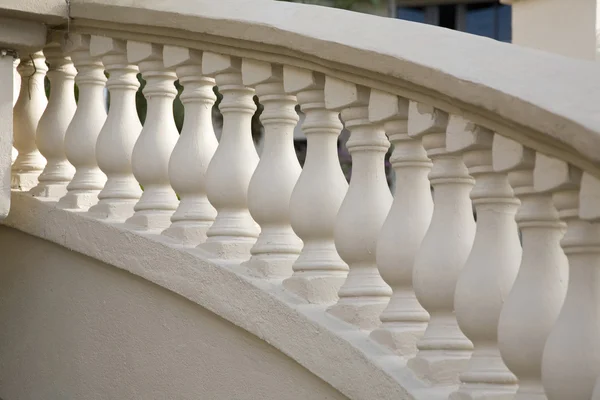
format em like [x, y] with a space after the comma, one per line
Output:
[514, 133]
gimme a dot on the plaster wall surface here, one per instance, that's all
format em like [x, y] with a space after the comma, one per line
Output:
[563, 27]
[76, 328]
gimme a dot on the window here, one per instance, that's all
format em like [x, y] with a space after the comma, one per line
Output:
[490, 19]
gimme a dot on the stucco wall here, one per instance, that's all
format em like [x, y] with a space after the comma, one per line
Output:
[75, 328]
[563, 27]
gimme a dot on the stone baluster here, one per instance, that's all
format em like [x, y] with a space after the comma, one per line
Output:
[571, 360]
[16, 80]
[152, 151]
[364, 294]
[319, 272]
[404, 320]
[119, 133]
[15, 97]
[277, 172]
[53, 124]
[443, 351]
[234, 232]
[194, 149]
[492, 266]
[26, 115]
[531, 308]
[82, 134]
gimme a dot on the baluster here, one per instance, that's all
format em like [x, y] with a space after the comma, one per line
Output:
[151, 153]
[53, 124]
[26, 115]
[531, 308]
[443, 351]
[571, 360]
[16, 80]
[277, 172]
[364, 294]
[16, 89]
[404, 320]
[119, 133]
[82, 134]
[194, 149]
[492, 266]
[228, 175]
[319, 272]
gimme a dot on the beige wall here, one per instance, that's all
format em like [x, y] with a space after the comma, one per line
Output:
[559, 26]
[74, 328]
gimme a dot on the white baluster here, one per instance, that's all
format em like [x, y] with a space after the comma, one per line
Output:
[27, 113]
[492, 266]
[50, 135]
[119, 133]
[16, 81]
[404, 320]
[531, 308]
[443, 349]
[16, 90]
[194, 149]
[277, 172]
[151, 153]
[82, 134]
[571, 360]
[234, 232]
[364, 294]
[319, 272]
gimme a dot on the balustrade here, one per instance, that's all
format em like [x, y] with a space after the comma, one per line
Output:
[83, 131]
[319, 272]
[364, 294]
[194, 149]
[27, 112]
[443, 351]
[53, 124]
[459, 304]
[404, 320]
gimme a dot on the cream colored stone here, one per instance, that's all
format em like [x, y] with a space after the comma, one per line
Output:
[30, 106]
[194, 149]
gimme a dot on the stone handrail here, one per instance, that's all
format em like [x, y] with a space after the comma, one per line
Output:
[464, 307]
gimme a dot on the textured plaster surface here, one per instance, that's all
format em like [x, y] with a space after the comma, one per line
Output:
[76, 328]
[334, 351]
[550, 94]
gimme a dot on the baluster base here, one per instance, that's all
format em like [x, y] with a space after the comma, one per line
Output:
[315, 287]
[400, 337]
[78, 199]
[531, 392]
[484, 391]
[150, 219]
[50, 190]
[113, 209]
[439, 366]
[188, 233]
[271, 266]
[228, 248]
[24, 181]
[361, 312]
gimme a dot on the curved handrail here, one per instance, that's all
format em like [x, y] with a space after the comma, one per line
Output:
[551, 109]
